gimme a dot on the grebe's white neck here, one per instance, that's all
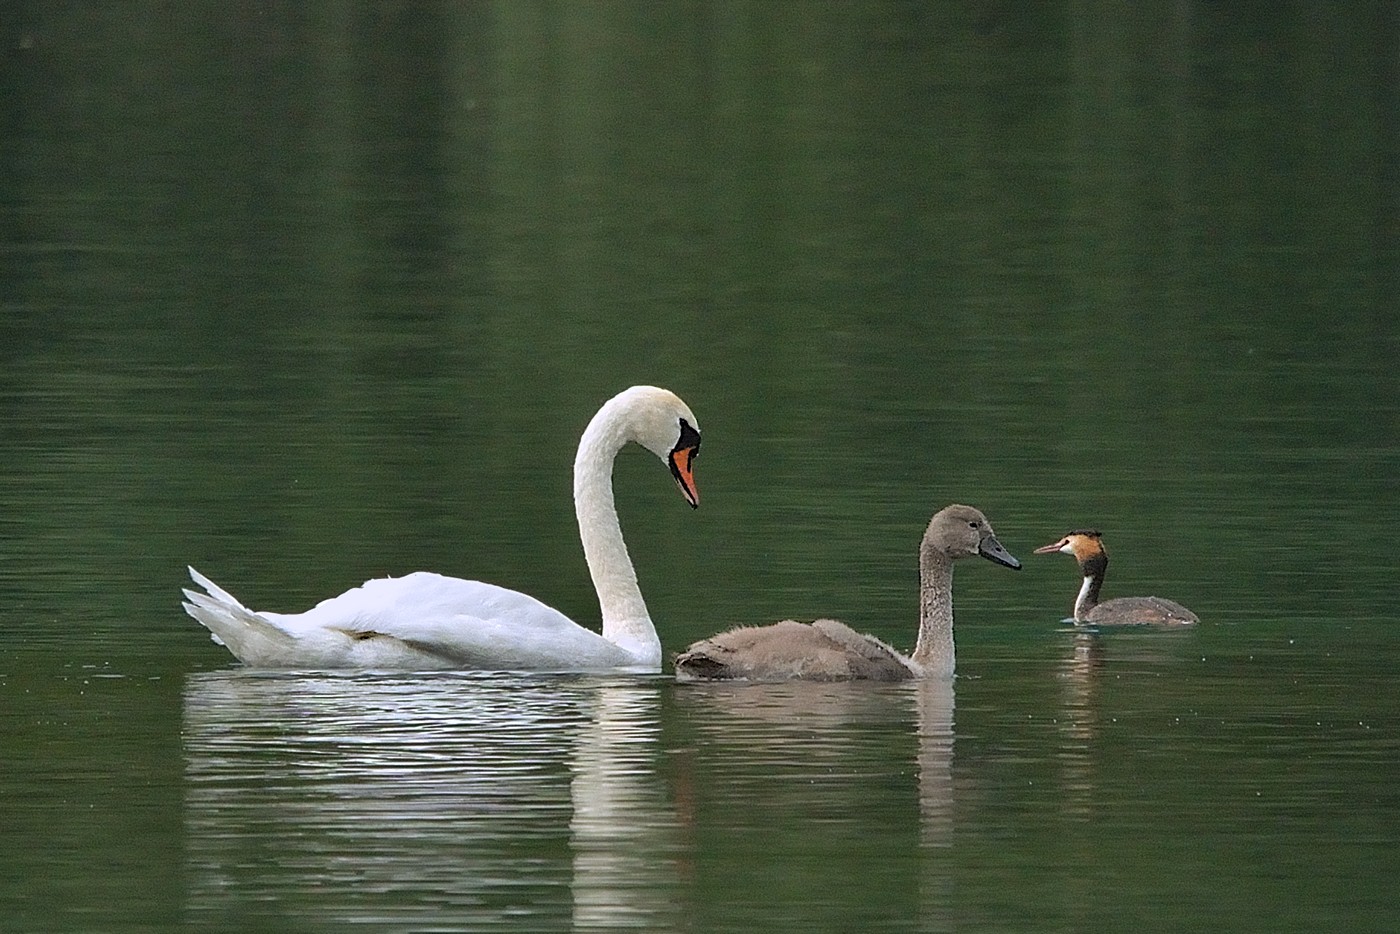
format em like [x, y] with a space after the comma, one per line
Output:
[1088, 597]
[1094, 567]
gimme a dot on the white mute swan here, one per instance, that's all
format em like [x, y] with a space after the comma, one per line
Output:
[427, 621]
[827, 650]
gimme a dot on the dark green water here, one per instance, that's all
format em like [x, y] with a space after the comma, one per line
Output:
[303, 294]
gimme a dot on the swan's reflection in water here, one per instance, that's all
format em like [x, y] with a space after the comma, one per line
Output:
[624, 835]
[412, 802]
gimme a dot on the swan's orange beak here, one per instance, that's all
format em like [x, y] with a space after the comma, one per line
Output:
[683, 469]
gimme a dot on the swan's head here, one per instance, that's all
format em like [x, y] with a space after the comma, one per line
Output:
[961, 532]
[659, 421]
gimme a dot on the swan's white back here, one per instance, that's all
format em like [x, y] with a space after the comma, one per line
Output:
[426, 621]
[422, 621]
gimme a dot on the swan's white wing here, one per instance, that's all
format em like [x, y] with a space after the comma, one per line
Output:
[426, 620]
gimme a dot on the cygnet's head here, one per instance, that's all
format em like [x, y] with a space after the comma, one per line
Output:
[960, 532]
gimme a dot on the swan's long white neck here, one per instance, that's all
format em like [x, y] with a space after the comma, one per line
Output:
[933, 653]
[626, 622]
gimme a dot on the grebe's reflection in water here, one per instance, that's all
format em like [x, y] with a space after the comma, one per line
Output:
[1089, 704]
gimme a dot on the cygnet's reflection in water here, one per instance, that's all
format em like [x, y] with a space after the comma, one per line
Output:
[415, 802]
[842, 794]
[817, 730]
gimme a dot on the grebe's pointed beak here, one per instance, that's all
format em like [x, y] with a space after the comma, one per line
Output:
[1061, 545]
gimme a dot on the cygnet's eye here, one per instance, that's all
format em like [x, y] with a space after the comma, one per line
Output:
[973, 524]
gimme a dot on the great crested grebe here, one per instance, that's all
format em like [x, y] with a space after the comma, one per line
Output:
[1087, 547]
[827, 650]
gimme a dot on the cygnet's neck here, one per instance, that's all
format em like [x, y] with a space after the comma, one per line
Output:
[933, 653]
[626, 622]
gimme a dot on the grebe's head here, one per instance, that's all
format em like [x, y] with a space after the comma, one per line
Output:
[1084, 544]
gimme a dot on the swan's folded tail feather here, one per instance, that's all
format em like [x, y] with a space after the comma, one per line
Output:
[194, 613]
[215, 591]
[245, 633]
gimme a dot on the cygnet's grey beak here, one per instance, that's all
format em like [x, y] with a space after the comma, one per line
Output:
[991, 549]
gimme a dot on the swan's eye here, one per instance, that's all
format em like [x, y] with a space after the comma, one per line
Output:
[973, 524]
[689, 437]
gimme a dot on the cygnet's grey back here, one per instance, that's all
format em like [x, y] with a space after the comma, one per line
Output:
[825, 650]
